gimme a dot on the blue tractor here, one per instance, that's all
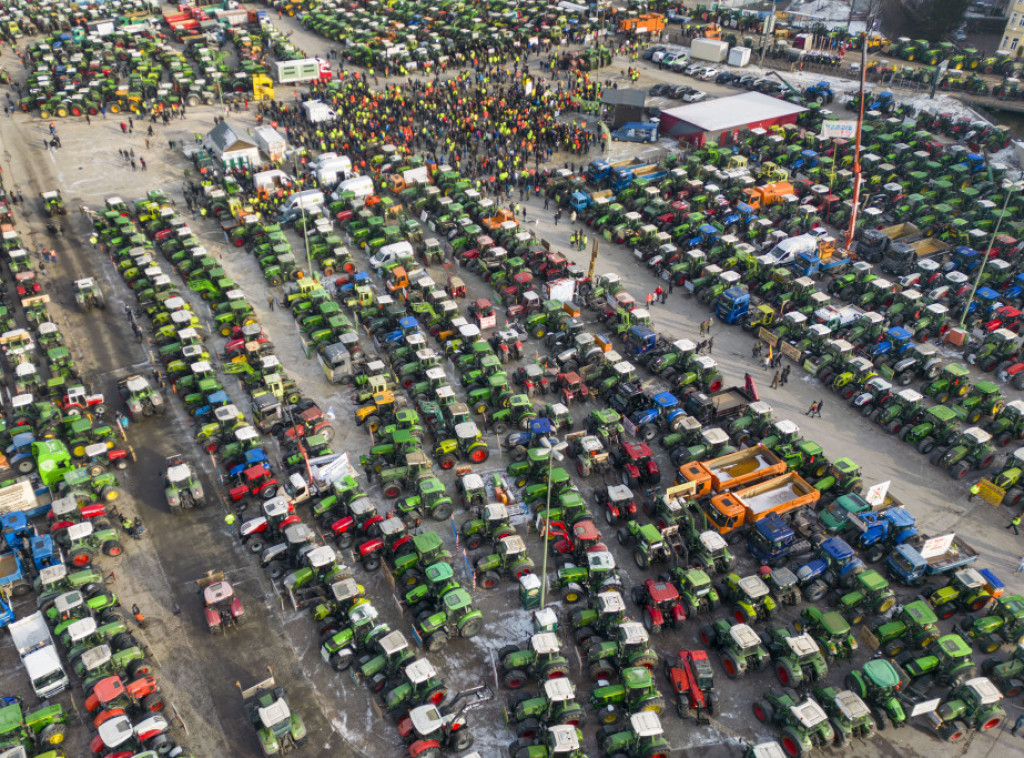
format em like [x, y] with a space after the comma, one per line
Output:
[881, 531]
[820, 93]
[836, 565]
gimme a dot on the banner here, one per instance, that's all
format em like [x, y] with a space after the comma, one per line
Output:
[838, 129]
[876, 495]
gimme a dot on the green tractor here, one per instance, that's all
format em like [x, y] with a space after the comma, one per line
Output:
[1002, 625]
[431, 499]
[973, 706]
[938, 426]
[871, 595]
[1008, 424]
[967, 591]
[637, 692]
[418, 684]
[277, 726]
[903, 408]
[953, 382]
[803, 726]
[509, 560]
[1008, 675]
[751, 597]
[541, 659]
[454, 617]
[984, 400]
[1011, 478]
[647, 542]
[740, 646]
[88, 295]
[830, 630]
[629, 647]
[849, 716]
[39, 733]
[644, 738]
[528, 715]
[490, 525]
[878, 683]
[913, 628]
[797, 657]
[948, 663]
[695, 590]
[971, 449]
[598, 575]
[559, 741]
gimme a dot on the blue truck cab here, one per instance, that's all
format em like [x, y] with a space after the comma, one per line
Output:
[837, 562]
[772, 542]
[733, 305]
[640, 340]
[636, 131]
[907, 565]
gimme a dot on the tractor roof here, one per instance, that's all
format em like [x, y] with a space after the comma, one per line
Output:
[661, 592]
[95, 657]
[767, 750]
[495, 512]
[899, 333]
[345, 589]
[837, 549]
[512, 545]
[920, 612]
[802, 645]
[851, 706]
[698, 579]
[361, 506]
[467, 430]
[216, 592]
[759, 408]
[715, 436]
[635, 450]
[954, 646]
[978, 436]
[633, 633]
[562, 738]
[457, 599]
[79, 630]
[942, 413]
[321, 556]
[786, 427]
[646, 724]
[970, 578]
[712, 541]
[545, 643]
[909, 395]
[986, 692]
[809, 713]
[420, 671]
[559, 690]
[753, 587]
[619, 493]
[743, 636]
[600, 560]
[392, 643]
[610, 601]
[439, 572]
[275, 713]
[136, 383]
[986, 387]
[115, 731]
[881, 672]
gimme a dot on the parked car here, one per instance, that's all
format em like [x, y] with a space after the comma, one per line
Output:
[710, 73]
[726, 77]
[679, 64]
[692, 69]
[746, 81]
[650, 52]
[661, 90]
[695, 97]
[669, 57]
[681, 91]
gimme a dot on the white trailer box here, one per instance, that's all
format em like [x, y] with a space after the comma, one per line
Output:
[336, 169]
[35, 646]
[270, 141]
[739, 56]
[271, 180]
[302, 70]
[714, 50]
[317, 111]
[561, 289]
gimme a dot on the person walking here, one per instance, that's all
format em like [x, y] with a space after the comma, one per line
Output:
[1019, 723]
[810, 411]
[649, 299]
[270, 302]
[975, 489]
[817, 410]
[711, 344]
[572, 217]
[785, 374]
[1020, 566]
[1015, 524]
[124, 128]
[658, 292]
[775, 381]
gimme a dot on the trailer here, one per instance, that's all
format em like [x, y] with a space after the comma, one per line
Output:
[729, 512]
[39, 655]
[713, 50]
[732, 471]
[714, 407]
[937, 555]
[302, 70]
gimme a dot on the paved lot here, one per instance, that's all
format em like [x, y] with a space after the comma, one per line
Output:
[199, 672]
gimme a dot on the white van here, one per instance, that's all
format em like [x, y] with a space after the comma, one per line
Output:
[308, 201]
[330, 171]
[360, 186]
[393, 253]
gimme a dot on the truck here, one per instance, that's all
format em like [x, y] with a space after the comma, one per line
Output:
[724, 403]
[645, 23]
[836, 318]
[599, 171]
[302, 70]
[787, 251]
[729, 512]
[713, 50]
[38, 654]
[621, 176]
[766, 195]
[581, 200]
[875, 243]
[636, 131]
[623, 179]
[732, 471]
[938, 555]
[733, 305]
[318, 110]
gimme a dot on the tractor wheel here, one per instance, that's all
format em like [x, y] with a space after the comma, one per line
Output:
[435, 641]
[937, 458]
[894, 648]
[731, 665]
[785, 674]
[959, 471]
[139, 668]
[152, 703]
[641, 559]
[442, 512]
[892, 427]
[490, 580]
[868, 411]
[555, 671]
[601, 670]
[446, 462]
[840, 735]
[1013, 496]
[926, 445]
[874, 553]
[654, 705]
[816, 592]
[1003, 439]
[112, 548]
[343, 540]
[649, 624]
[474, 541]
[109, 494]
[81, 557]
[707, 635]
[514, 679]
[956, 732]
[762, 711]
[392, 491]
[791, 743]
[52, 735]
[571, 595]
[990, 643]
[479, 453]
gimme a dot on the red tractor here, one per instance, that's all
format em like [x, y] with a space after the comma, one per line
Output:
[694, 684]
[637, 464]
[661, 605]
[112, 697]
[255, 481]
[582, 538]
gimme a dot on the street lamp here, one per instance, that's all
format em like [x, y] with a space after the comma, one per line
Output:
[1010, 188]
[554, 454]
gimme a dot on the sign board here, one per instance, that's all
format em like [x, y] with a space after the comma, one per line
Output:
[337, 469]
[839, 129]
[928, 706]
[790, 351]
[936, 546]
[17, 497]
[987, 490]
[868, 639]
[629, 426]
[765, 336]
[876, 495]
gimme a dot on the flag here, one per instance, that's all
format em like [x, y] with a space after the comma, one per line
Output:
[769, 353]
